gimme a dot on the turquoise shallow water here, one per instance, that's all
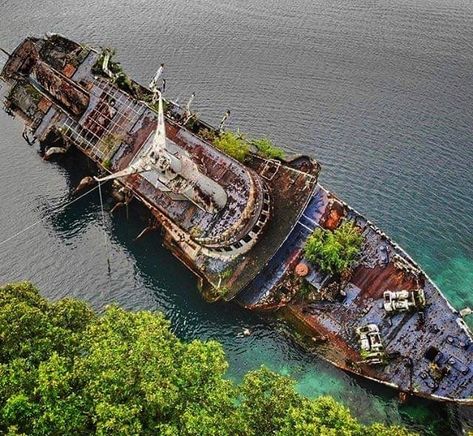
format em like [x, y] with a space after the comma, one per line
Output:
[379, 91]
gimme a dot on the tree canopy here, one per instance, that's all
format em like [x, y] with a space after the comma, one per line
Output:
[334, 252]
[65, 370]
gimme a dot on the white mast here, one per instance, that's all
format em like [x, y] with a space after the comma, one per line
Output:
[153, 85]
[173, 171]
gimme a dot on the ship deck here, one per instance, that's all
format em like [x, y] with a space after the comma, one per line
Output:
[129, 129]
[115, 127]
[291, 185]
[429, 353]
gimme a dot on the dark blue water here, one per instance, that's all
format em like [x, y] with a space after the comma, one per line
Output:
[381, 92]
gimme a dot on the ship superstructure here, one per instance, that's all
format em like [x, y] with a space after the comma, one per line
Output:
[241, 227]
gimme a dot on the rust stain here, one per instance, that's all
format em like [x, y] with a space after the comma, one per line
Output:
[69, 70]
[44, 104]
[331, 219]
[374, 281]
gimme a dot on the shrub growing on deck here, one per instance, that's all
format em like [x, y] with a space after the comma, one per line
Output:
[267, 149]
[233, 145]
[334, 252]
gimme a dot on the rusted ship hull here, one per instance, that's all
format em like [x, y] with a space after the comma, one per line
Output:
[419, 343]
[241, 227]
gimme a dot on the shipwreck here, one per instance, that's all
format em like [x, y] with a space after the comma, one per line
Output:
[241, 226]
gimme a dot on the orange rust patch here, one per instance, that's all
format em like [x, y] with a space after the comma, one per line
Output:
[44, 104]
[374, 281]
[332, 219]
[302, 269]
[69, 70]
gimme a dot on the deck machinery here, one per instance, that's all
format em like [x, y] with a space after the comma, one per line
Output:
[241, 227]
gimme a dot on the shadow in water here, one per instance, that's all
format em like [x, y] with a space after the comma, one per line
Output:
[171, 288]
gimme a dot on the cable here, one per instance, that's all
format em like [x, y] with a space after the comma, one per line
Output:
[58, 208]
[105, 239]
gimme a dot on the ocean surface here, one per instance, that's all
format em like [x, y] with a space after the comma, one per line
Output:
[379, 91]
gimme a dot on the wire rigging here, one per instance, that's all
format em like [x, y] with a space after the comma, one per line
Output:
[105, 239]
[53, 210]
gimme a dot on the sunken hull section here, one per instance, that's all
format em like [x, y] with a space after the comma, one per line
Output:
[241, 227]
[426, 352]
